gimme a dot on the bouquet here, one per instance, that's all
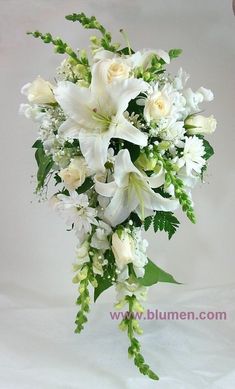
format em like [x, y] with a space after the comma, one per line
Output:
[124, 142]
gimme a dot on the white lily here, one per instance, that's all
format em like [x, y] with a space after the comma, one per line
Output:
[131, 191]
[95, 115]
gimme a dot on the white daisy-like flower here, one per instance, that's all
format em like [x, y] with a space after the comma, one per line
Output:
[77, 213]
[192, 155]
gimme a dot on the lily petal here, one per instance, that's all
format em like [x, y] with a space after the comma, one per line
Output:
[125, 130]
[120, 208]
[94, 149]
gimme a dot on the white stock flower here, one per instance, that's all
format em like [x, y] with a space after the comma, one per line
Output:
[75, 174]
[180, 80]
[129, 289]
[199, 124]
[75, 208]
[39, 91]
[193, 99]
[100, 238]
[192, 155]
[173, 133]
[131, 191]
[96, 116]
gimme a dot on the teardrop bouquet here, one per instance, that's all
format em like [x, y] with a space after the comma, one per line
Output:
[124, 142]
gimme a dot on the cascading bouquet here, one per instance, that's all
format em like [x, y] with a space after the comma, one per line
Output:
[124, 142]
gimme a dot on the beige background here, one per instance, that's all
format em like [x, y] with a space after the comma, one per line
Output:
[36, 252]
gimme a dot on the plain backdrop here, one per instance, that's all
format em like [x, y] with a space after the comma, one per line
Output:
[36, 251]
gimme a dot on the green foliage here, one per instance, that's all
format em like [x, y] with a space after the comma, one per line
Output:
[147, 222]
[165, 221]
[209, 151]
[154, 274]
[107, 280]
[60, 46]
[134, 350]
[174, 53]
[180, 193]
[88, 183]
[92, 23]
[37, 144]
[44, 163]
[83, 301]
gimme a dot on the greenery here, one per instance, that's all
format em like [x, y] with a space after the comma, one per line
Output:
[45, 163]
[154, 274]
[131, 325]
[162, 221]
[92, 23]
[108, 278]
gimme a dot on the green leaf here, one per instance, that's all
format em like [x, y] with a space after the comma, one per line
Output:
[165, 221]
[147, 222]
[38, 144]
[174, 53]
[125, 51]
[103, 284]
[45, 164]
[209, 151]
[133, 149]
[108, 278]
[154, 274]
[88, 183]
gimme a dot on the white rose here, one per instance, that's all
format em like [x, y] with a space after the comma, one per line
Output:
[123, 249]
[157, 106]
[117, 71]
[75, 174]
[39, 91]
[110, 70]
[201, 124]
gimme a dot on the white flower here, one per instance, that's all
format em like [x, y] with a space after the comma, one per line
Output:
[75, 174]
[82, 253]
[129, 248]
[131, 191]
[97, 263]
[39, 91]
[100, 238]
[96, 116]
[143, 58]
[173, 133]
[192, 157]
[123, 249]
[180, 80]
[32, 112]
[77, 213]
[193, 99]
[162, 104]
[129, 289]
[201, 124]
[112, 70]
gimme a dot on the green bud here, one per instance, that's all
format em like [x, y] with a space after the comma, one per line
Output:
[145, 162]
